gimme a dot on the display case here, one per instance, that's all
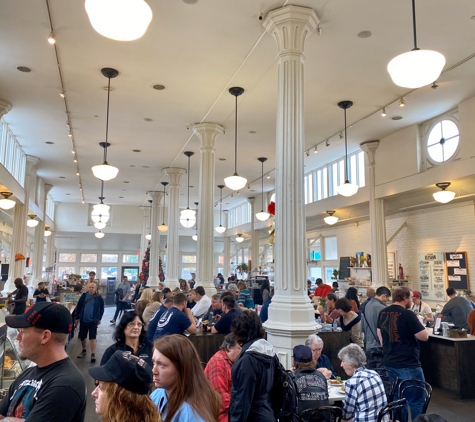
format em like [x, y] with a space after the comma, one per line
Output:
[10, 364]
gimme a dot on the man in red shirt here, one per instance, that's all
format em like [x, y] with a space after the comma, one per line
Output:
[218, 371]
[322, 289]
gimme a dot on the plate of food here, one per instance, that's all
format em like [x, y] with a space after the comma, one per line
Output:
[335, 383]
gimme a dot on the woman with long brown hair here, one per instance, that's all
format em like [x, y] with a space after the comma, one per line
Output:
[121, 393]
[183, 392]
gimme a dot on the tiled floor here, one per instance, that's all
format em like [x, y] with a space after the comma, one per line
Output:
[442, 403]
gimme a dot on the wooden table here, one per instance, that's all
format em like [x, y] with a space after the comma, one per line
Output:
[334, 341]
[448, 363]
[206, 344]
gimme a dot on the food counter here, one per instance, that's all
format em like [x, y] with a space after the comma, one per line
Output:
[206, 344]
[447, 363]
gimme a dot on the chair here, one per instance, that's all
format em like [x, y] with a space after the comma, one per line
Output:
[389, 383]
[322, 414]
[424, 387]
[393, 409]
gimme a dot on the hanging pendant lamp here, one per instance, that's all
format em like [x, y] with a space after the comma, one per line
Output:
[239, 238]
[32, 222]
[105, 171]
[330, 218]
[149, 235]
[188, 217]
[443, 195]
[263, 215]
[99, 234]
[163, 227]
[347, 188]
[5, 202]
[120, 20]
[100, 211]
[47, 231]
[195, 236]
[235, 182]
[220, 228]
[417, 67]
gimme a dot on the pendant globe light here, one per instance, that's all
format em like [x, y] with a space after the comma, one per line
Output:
[100, 211]
[120, 20]
[220, 228]
[235, 182]
[5, 202]
[105, 171]
[347, 188]
[163, 227]
[99, 234]
[149, 235]
[443, 195]
[32, 222]
[188, 217]
[47, 231]
[239, 238]
[330, 218]
[417, 67]
[263, 215]
[195, 236]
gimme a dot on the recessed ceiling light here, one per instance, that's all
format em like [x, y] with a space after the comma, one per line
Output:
[396, 118]
[132, 165]
[95, 115]
[226, 203]
[148, 119]
[191, 187]
[68, 194]
[252, 132]
[222, 159]
[159, 87]
[253, 190]
[121, 197]
[136, 150]
[49, 142]
[365, 34]
[145, 167]
[190, 1]
[125, 181]
[24, 69]
[62, 177]
[123, 190]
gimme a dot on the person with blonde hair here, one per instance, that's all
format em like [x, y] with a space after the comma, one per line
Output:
[144, 300]
[152, 307]
[183, 392]
[122, 387]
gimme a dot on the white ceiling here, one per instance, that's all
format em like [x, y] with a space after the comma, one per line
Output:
[198, 51]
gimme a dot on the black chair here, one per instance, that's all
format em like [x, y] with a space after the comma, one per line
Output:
[424, 388]
[322, 414]
[392, 409]
[390, 384]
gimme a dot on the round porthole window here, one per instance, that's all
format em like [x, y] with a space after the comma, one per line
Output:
[443, 141]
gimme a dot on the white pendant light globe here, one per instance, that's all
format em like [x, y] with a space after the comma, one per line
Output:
[187, 218]
[416, 68]
[5, 203]
[220, 229]
[262, 216]
[239, 238]
[32, 222]
[347, 189]
[120, 20]
[100, 225]
[163, 228]
[331, 219]
[105, 171]
[148, 236]
[195, 237]
[443, 196]
[101, 208]
[235, 182]
[188, 213]
[96, 218]
[47, 231]
[99, 235]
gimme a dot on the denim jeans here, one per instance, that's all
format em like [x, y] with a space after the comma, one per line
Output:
[415, 400]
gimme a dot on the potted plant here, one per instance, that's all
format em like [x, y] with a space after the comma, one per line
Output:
[335, 274]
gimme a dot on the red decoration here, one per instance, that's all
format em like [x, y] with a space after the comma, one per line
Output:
[271, 208]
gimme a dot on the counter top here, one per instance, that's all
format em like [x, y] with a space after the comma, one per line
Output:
[469, 337]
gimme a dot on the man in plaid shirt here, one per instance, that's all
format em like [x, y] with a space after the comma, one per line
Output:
[218, 371]
[364, 391]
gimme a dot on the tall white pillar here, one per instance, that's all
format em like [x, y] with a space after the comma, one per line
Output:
[291, 315]
[39, 244]
[146, 229]
[173, 240]
[17, 268]
[207, 133]
[153, 279]
[379, 258]
[254, 239]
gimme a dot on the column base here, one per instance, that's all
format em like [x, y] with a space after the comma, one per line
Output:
[172, 283]
[152, 282]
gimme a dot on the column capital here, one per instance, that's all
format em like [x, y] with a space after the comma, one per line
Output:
[5, 107]
[251, 200]
[48, 188]
[156, 197]
[174, 173]
[290, 26]
[207, 132]
[31, 161]
[370, 147]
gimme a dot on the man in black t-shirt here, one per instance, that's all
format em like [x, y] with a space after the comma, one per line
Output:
[34, 396]
[399, 330]
[21, 296]
[223, 326]
[41, 293]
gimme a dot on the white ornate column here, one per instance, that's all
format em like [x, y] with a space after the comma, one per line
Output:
[39, 244]
[145, 229]
[173, 240]
[207, 133]
[5, 107]
[254, 238]
[17, 268]
[153, 279]
[379, 257]
[291, 315]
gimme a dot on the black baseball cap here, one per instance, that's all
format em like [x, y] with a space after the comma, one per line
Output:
[45, 315]
[302, 354]
[127, 370]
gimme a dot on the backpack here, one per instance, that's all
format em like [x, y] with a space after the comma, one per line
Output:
[119, 293]
[284, 396]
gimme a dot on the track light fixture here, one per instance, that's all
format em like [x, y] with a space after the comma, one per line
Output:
[402, 103]
[51, 38]
[435, 85]
[315, 151]
[383, 113]
[327, 143]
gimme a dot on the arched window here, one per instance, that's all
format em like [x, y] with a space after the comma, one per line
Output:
[442, 141]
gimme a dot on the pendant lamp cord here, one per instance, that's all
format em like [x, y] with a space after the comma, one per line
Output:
[164, 203]
[188, 200]
[220, 205]
[102, 191]
[346, 152]
[107, 118]
[414, 24]
[235, 137]
[262, 190]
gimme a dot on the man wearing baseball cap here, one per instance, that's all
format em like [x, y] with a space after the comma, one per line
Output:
[37, 394]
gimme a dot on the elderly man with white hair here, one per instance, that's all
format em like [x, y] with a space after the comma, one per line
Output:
[322, 362]
[364, 391]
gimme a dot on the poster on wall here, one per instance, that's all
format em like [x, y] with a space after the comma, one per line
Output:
[432, 276]
[457, 271]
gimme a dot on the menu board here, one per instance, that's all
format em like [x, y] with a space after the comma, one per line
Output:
[344, 270]
[457, 272]
[432, 276]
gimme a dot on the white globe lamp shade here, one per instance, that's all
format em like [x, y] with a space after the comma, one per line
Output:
[105, 172]
[148, 236]
[187, 222]
[32, 223]
[163, 228]
[188, 214]
[235, 182]
[220, 229]
[331, 220]
[96, 218]
[195, 237]
[120, 20]
[47, 233]
[101, 209]
[6, 204]
[416, 68]
[262, 216]
[239, 238]
[100, 225]
[444, 196]
[347, 189]
[99, 235]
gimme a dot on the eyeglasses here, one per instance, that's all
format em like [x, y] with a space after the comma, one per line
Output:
[317, 350]
[135, 324]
